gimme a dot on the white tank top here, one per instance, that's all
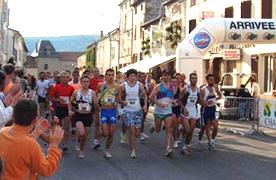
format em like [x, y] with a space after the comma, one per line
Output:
[132, 97]
[210, 97]
[193, 97]
[84, 102]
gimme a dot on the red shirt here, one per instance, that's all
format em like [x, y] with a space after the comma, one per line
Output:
[94, 83]
[62, 91]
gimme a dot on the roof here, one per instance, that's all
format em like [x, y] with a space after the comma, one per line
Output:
[22, 39]
[44, 48]
[137, 2]
[169, 2]
[69, 56]
[30, 62]
[152, 21]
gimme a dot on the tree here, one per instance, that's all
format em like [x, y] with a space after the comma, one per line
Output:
[146, 46]
[173, 34]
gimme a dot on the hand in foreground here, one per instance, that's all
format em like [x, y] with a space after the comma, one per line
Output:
[56, 136]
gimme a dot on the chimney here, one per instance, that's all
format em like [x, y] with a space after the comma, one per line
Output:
[101, 35]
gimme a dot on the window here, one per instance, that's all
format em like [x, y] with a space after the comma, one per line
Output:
[192, 25]
[231, 65]
[135, 32]
[45, 66]
[268, 73]
[135, 10]
[193, 3]
[246, 9]
[267, 9]
[141, 31]
[142, 7]
[229, 12]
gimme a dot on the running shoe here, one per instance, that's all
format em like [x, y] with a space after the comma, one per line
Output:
[144, 135]
[169, 152]
[185, 150]
[175, 145]
[142, 138]
[81, 155]
[123, 138]
[77, 146]
[96, 144]
[213, 143]
[107, 154]
[133, 155]
[199, 145]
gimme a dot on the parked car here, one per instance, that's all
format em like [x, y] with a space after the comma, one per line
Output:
[230, 85]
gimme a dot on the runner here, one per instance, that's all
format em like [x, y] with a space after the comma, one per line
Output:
[75, 83]
[62, 93]
[82, 101]
[188, 100]
[94, 82]
[162, 97]
[144, 101]
[42, 86]
[130, 93]
[123, 138]
[176, 109]
[208, 96]
[108, 96]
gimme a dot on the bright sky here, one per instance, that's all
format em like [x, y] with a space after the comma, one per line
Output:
[63, 17]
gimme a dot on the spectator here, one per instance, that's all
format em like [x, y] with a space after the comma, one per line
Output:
[1, 168]
[9, 69]
[21, 153]
[243, 103]
[20, 74]
[255, 87]
[6, 105]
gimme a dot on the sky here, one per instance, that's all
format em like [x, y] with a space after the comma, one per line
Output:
[40, 18]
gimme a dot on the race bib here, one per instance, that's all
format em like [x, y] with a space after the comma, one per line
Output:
[132, 102]
[65, 100]
[212, 102]
[84, 107]
[110, 99]
[192, 99]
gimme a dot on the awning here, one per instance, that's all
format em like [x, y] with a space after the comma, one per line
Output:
[146, 64]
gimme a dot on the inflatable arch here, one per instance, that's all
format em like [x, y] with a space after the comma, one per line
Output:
[216, 31]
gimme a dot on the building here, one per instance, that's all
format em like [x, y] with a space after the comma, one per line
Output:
[108, 51]
[126, 33]
[30, 66]
[142, 11]
[4, 23]
[17, 49]
[49, 60]
[91, 56]
[250, 58]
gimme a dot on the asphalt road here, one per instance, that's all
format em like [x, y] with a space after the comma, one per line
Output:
[234, 158]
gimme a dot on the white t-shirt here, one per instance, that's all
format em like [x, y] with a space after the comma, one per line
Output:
[42, 87]
[255, 90]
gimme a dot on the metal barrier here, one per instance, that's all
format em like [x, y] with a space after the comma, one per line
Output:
[240, 109]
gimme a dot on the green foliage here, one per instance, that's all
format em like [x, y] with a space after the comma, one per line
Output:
[173, 34]
[146, 46]
[90, 58]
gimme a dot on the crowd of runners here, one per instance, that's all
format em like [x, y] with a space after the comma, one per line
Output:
[76, 101]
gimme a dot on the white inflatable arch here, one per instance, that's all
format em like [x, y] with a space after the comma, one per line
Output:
[217, 31]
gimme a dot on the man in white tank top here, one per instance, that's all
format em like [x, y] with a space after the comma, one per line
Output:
[188, 101]
[129, 96]
[208, 96]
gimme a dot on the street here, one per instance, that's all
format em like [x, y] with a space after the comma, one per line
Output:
[235, 157]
